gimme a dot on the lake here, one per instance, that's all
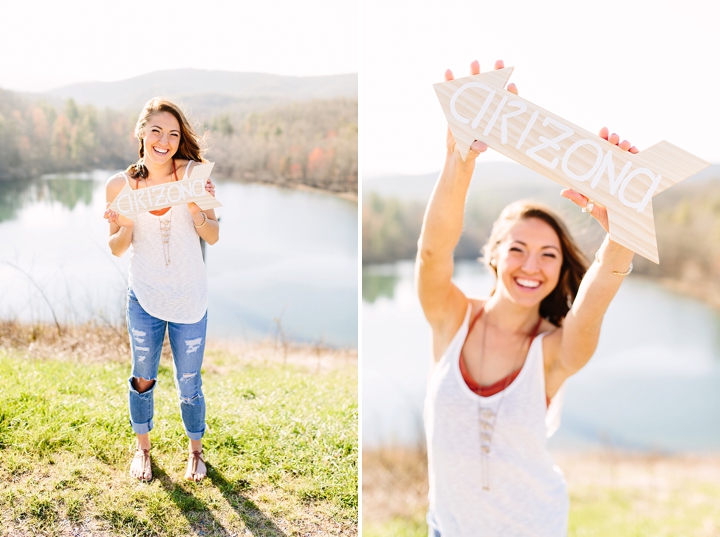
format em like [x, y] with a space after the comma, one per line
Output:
[285, 265]
[653, 385]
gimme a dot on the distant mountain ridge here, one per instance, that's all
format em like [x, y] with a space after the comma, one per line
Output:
[497, 177]
[207, 92]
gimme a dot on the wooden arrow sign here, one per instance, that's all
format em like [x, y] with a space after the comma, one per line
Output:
[479, 107]
[131, 202]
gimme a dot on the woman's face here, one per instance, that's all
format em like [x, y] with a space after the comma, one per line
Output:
[528, 262]
[162, 137]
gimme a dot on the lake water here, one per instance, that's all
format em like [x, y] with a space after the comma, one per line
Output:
[285, 258]
[652, 385]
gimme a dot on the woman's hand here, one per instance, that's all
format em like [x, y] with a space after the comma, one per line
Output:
[476, 147]
[117, 219]
[599, 212]
[210, 188]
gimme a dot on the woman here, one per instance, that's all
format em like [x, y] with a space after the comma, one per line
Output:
[494, 393]
[167, 281]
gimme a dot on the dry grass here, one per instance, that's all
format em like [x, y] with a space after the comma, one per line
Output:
[93, 343]
[394, 484]
[86, 343]
[610, 494]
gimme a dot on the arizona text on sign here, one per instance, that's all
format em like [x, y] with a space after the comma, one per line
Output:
[131, 202]
[479, 108]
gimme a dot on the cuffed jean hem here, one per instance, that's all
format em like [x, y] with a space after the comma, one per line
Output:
[141, 428]
[195, 436]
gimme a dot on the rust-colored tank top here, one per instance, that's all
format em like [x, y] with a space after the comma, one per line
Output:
[500, 385]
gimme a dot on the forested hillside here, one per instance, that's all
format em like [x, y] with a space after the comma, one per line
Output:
[313, 143]
[687, 223]
[307, 142]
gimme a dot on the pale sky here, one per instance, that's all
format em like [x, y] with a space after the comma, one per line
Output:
[46, 44]
[646, 69]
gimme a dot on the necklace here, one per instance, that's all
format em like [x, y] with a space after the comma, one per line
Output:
[165, 236]
[488, 415]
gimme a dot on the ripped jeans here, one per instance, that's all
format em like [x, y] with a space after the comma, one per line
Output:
[187, 342]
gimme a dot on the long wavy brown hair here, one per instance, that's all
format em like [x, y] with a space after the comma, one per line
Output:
[191, 147]
[556, 305]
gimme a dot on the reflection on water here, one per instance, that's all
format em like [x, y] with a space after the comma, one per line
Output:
[652, 385]
[286, 259]
[378, 282]
[68, 190]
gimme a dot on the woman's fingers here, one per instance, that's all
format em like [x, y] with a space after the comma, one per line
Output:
[474, 67]
[478, 146]
[615, 139]
[512, 88]
[448, 75]
[574, 196]
[599, 212]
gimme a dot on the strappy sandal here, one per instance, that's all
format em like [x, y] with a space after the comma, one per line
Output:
[195, 457]
[143, 454]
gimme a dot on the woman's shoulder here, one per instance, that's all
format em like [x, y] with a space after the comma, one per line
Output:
[115, 182]
[476, 304]
[181, 165]
[114, 185]
[546, 327]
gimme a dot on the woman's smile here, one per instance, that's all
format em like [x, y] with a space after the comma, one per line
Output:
[527, 284]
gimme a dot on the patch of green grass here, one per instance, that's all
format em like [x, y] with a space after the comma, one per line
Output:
[281, 450]
[690, 508]
[397, 527]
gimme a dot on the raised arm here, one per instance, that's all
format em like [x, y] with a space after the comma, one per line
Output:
[575, 342]
[443, 304]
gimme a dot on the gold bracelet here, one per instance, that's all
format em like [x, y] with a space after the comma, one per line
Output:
[204, 220]
[615, 272]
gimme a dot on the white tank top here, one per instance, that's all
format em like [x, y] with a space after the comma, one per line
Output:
[174, 292]
[527, 493]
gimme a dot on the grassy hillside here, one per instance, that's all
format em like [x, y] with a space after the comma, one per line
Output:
[281, 446]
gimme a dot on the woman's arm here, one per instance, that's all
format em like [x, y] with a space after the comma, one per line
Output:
[121, 227]
[443, 304]
[575, 342]
[207, 228]
[209, 231]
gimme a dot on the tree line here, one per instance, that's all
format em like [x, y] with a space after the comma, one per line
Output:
[687, 224]
[312, 143]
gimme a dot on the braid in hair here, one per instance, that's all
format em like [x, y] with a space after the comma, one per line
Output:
[138, 170]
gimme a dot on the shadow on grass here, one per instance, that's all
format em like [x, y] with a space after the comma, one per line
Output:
[254, 518]
[200, 517]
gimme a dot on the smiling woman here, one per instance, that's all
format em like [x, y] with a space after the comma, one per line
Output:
[167, 284]
[494, 394]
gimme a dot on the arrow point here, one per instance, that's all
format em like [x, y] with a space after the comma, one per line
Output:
[498, 77]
